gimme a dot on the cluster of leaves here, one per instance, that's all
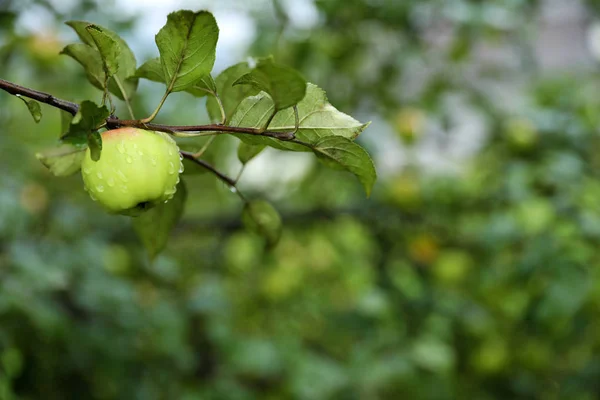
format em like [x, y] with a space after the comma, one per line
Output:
[272, 103]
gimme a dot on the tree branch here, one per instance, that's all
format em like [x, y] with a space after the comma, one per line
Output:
[42, 97]
[228, 180]
[114, 122]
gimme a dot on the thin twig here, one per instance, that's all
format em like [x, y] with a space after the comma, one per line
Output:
[42, 97]
[228, 180]
[114, 122]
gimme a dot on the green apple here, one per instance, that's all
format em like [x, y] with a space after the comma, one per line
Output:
[137, 170]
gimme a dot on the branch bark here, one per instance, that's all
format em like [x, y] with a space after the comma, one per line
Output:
[42, 97]
[114, 122]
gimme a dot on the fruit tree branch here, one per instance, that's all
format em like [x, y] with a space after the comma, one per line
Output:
[42, 97]
[114, 122]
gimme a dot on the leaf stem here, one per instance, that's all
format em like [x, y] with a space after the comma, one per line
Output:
[269, 120]
[125, 97]
[199, 153]
[221, 108]
[296, 120]
[155, 112]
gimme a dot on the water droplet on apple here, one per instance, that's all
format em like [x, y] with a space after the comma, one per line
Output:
[121, 147]
[181, 168]
[99, 175]
[171, 168]
[110, 182]
[123, 188]
[100, 188]
[129, 160]
[141, 153]
[153, 160]
[87, 171]
[92, 196]
[170, 152]
[122, 176]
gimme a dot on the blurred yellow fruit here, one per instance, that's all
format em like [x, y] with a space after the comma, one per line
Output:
[423, 249]
[409, 123]
[405, 192]
[44, 46]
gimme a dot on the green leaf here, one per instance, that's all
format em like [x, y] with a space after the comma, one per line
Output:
[125, 59]
[94, 141]
[285, 85]
[262, 218]
[151, 70]
[108, 48]
[187, 45]
[231, 96]
[88, 119]
[34, 108]
[62, 160]
[341, 153]
[65, 121]
[154, 226]
[317, 119]
[90, 60]
[247, 152]
[205, 86]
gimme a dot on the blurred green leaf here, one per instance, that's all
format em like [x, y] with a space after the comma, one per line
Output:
[151, 70]
[34, 108]
[125, 76]
[90, 60]
[231, 96]
[342, 153]
[317, 119]
[154, 226]
[247, 152]
[108, 48]
[205, 86]
[262, 218]
[283, 84]
[187, 46]
[94, 142]
[88, 119]
[63, 160]
[65, 121]
[12, 362]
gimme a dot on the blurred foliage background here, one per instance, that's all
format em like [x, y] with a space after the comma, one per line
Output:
[471, 273]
